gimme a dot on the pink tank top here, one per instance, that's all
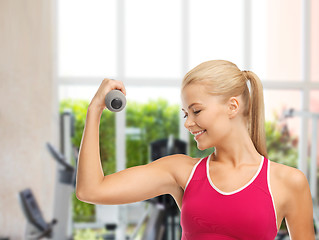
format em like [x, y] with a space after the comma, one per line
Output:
[210, 214]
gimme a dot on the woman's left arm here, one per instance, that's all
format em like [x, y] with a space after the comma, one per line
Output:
[299, 217]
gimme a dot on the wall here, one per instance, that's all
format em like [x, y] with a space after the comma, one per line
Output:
[29, 109]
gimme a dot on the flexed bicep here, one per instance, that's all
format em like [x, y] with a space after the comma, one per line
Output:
[137, 183]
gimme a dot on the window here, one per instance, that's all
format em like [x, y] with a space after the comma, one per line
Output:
[151, 44]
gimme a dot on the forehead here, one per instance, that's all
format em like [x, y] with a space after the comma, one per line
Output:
[196, 93]
[193, 92]
[199, 93]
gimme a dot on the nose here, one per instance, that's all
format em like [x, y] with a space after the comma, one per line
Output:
[189, 123]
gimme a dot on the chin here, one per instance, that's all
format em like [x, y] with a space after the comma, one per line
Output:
[202, 148]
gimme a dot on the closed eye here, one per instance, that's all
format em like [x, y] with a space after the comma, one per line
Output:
[196, 112]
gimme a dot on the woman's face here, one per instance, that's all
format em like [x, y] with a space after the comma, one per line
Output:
[206, 117]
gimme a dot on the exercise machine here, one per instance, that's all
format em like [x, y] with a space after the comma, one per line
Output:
[159, 218]
[64, 187]
[157, 223]
[37, 227]
[154, 229]
[161, 148]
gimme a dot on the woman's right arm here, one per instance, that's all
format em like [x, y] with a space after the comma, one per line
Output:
[130, 185]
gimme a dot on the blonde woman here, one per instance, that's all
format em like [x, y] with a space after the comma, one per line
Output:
[235, 192]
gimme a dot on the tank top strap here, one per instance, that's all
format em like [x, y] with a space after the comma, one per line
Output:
[199, 170]
[262, 179]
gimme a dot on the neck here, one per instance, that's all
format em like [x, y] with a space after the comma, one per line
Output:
[236, 149]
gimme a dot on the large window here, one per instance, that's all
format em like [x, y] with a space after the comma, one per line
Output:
[151, 44]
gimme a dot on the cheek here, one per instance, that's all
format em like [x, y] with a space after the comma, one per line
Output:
[218, 126]
[213, 119]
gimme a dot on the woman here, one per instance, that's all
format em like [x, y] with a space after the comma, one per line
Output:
[234, 193]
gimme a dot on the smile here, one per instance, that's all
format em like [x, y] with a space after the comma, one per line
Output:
[198, 134]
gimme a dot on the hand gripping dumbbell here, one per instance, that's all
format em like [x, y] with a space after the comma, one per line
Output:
[115, 100]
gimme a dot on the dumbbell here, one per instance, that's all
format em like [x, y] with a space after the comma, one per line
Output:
[115, 100]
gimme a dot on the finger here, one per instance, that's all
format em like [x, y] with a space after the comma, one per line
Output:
[120, 86]
[123, 88]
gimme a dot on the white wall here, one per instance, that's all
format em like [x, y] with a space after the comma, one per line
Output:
[29, 109]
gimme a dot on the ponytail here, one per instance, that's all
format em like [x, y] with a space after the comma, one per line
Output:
[256, 112]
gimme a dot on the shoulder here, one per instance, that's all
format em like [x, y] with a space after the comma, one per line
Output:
[181, 159]
[180, 167]
[291, 177]
[174, 162]
[290, 185]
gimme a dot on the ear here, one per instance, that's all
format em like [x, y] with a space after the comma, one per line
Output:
[233, 107]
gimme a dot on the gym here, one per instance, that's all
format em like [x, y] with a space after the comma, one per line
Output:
[54, 55]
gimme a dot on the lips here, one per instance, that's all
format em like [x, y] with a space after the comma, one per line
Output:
[197, 134]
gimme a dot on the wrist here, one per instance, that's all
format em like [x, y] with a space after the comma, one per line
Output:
[95, 108]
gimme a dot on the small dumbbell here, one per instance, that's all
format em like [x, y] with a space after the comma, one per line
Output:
[115, 100]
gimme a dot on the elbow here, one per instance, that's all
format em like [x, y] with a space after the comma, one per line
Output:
[84, 197]
[79, 195]
[88, 193]
[87, 197]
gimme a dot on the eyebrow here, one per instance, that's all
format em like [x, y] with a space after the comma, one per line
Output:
[190, 106]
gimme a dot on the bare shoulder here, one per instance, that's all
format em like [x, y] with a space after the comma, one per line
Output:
[288, 184]
[181, 160]
[291, 177]
[181, 167]
[175, 161]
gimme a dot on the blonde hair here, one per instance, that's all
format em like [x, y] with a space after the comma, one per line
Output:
[224, 78]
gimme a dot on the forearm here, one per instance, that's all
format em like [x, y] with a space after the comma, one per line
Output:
[89, 170]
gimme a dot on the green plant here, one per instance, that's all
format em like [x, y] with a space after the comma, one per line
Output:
[89, 234]
[154, 120]
[151, 121]
[82, 212]
[195, 152]
[281, 149]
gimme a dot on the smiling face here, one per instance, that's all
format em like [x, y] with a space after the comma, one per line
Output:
[206, 116]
